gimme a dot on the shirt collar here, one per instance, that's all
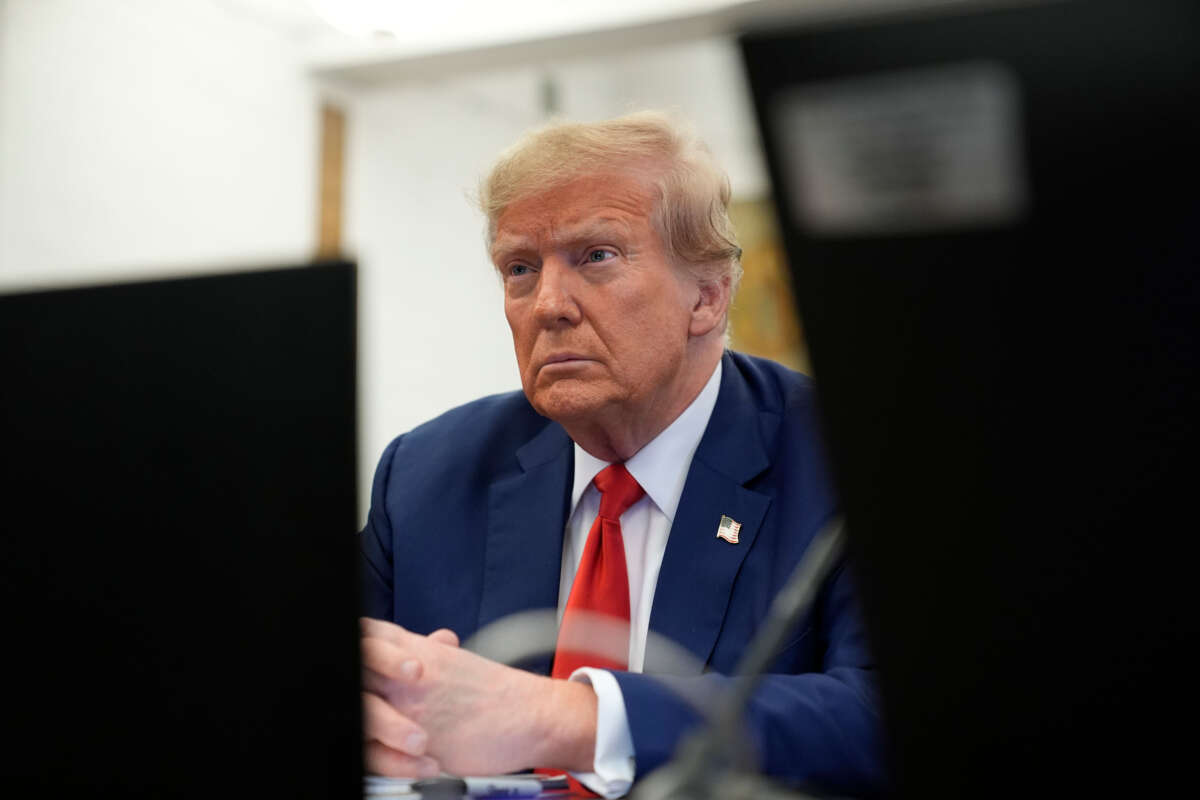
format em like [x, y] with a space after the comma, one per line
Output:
[661, 467]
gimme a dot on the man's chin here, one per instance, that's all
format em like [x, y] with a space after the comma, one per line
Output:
[568, 402]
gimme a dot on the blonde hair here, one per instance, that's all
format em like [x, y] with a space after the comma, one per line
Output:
[692, 209]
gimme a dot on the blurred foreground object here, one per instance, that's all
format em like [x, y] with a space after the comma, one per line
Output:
[994, 229]
[177, 573]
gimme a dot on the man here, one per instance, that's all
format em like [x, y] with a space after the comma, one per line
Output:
[643, 472]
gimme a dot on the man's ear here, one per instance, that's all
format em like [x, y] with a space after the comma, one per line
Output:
[712, 304]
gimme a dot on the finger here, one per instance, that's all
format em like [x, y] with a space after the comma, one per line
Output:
[445, 636]
[375, 683]
[381, 629]
[382, 760]
[388, 726]
[394, 693]
[390, 661]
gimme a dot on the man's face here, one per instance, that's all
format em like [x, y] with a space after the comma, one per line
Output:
[599, 315]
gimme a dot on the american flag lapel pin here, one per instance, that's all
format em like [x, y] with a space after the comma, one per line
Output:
[728, 529]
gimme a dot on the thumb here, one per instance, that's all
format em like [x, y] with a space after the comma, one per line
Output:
[445, 636]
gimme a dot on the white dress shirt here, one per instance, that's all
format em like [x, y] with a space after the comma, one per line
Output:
[661, 468]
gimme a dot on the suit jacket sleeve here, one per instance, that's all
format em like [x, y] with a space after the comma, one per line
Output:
[375, 543]
[818, 728]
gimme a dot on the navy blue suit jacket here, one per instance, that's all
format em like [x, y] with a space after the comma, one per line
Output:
[468, 513]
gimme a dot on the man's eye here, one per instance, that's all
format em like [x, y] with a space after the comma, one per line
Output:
[518, 269]
[600, 254]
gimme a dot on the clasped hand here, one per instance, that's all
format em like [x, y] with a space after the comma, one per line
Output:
[430, 706]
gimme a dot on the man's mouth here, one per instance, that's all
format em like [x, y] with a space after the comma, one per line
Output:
[564, 360]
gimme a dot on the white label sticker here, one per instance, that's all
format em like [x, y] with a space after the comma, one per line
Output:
[909, 151]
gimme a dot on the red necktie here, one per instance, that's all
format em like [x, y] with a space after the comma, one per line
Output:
[601, 585]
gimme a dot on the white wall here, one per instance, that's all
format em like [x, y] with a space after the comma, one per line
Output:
[142, 137]
[432, 328]
[703, 81]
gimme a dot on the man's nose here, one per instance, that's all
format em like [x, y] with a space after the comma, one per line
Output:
[556, 304]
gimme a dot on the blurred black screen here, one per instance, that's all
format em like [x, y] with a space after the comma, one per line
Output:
[993, 225]
[178, 560]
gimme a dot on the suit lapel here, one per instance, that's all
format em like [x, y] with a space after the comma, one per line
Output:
[526, 519]
[698, 569]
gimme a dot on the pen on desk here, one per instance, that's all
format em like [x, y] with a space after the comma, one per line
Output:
[504, 786]
[377, 786]
[499, 786]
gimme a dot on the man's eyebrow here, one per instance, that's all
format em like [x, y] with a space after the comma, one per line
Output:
[506, 244]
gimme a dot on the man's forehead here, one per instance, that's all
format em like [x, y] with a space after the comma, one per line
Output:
[594, 203]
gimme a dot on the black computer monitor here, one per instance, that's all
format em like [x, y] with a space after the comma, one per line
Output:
[178, 558]
[992, 220]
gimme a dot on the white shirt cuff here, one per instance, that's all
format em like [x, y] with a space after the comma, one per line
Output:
[613, 768]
